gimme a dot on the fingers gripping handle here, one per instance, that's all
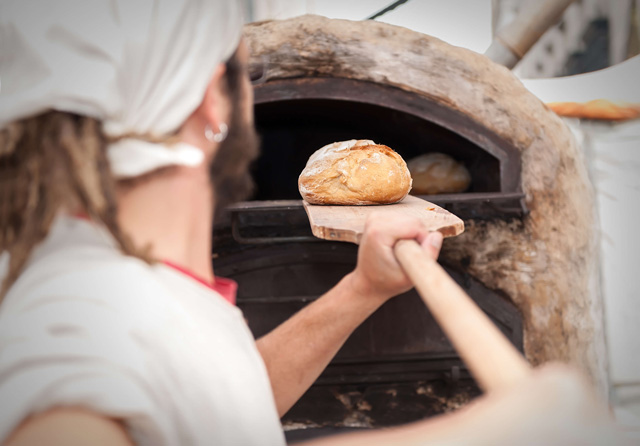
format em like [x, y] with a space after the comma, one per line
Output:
[491, 358]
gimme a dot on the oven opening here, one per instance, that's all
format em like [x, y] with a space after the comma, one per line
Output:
[296, 117]
[292, 130]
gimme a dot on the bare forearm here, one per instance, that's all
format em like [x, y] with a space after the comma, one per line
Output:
[297, 351]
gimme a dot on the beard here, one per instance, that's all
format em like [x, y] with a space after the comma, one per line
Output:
[229, 171]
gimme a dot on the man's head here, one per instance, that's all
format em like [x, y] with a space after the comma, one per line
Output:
[112, 98]
[228, 104]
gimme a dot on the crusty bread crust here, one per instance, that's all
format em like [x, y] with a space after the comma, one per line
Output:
[354, 172]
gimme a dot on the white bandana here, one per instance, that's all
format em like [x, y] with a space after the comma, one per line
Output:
[141, 67]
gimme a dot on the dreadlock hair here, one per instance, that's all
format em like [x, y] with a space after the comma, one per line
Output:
[52, 162]
[57, 161]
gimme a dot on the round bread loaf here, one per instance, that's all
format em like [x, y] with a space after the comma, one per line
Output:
[437, 173]
[354, 172]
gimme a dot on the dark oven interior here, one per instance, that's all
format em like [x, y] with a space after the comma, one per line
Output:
[398, 366]
[318, 122]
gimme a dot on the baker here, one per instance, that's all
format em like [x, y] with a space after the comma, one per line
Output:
[125, 125]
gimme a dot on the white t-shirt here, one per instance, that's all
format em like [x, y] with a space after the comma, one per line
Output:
[87, 326]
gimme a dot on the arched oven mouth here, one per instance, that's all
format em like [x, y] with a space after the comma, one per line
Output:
[295, 117]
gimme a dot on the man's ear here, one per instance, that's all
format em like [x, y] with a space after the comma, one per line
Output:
[215, 107]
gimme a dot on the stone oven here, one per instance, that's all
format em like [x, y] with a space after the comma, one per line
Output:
[528, 256]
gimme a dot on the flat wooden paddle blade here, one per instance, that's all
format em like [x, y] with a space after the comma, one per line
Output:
[346, 223]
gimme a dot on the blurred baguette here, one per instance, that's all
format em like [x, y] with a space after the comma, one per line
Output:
[601, 109]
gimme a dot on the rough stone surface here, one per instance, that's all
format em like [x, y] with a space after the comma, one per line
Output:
[546, 263]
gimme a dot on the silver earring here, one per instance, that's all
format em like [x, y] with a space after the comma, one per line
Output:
[208, 133]
[222, 134]
[216, 137]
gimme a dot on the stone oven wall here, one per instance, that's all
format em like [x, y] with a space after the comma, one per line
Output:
[547, 262]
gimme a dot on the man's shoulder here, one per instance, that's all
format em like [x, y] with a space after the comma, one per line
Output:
[99, 275]
[78, 272]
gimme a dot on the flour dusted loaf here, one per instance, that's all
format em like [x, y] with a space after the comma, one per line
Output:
[354, 172]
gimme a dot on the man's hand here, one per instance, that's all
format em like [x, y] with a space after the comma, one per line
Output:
[378, 274]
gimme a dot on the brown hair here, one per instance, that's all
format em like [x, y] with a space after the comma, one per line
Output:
[48, 163]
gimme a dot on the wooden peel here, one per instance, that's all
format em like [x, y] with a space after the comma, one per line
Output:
[491, 358]
[346, 223]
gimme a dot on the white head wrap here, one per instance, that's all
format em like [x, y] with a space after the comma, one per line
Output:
[139, 66]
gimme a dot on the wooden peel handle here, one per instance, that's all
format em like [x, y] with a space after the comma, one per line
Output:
[490, 357]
